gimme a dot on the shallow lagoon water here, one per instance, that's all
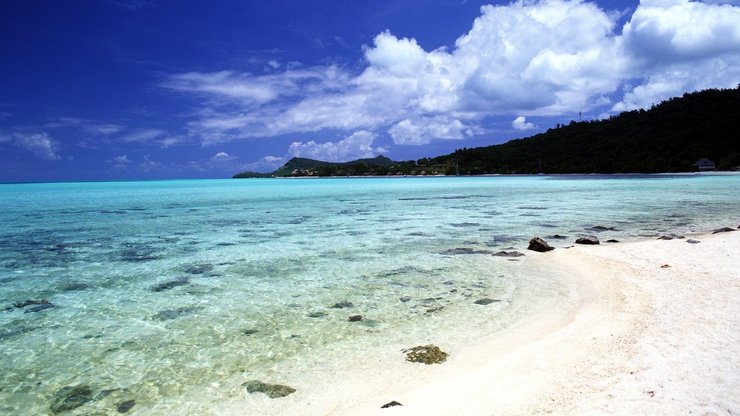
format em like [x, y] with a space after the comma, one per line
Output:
[173, 293]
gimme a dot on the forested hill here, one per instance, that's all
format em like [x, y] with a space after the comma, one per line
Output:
[669, 137]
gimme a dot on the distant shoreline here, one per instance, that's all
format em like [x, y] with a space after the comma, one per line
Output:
[487, 175]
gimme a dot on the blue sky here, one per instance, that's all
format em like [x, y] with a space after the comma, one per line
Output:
[132, 89]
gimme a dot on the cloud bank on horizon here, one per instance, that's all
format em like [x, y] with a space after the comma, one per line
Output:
[544, 58]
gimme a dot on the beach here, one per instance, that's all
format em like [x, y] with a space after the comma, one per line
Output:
[643, 339]
[653, 329]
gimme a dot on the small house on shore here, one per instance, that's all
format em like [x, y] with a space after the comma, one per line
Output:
[704, 164]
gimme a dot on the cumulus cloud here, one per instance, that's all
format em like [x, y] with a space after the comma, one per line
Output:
[423, 130]
[678, 46]
[520, 123]
[357, 146]
[527, 58]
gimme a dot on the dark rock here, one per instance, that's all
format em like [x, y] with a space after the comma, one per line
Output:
[343, 304]
[723, 230]
[71, 397]
[391, 404]
[74, 286]
[486, 301]
[199, 268]
[355, 318]
[39, 308]
[590, 239]
[612, 241]
[558, 237]
[29, 303]
[317, 314]
[139, 255]
[504, 253]
[465, 224]
[404, 298]
[435, 309]
[448, 283]
[273, 391]
[671, 236]
[180, 281]
[14, 329]
[600, 228]
[427, 354]
[33, 305]
[168, 314]
[250, 331]
[124, 407]
[463, 250]
[538, 244]
[692, 241]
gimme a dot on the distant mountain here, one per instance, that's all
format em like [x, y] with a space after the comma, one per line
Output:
[299, 166]
[670, 137]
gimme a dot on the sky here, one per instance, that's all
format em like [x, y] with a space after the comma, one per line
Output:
[150, 89]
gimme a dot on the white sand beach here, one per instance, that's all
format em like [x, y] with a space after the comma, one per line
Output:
[654, 328]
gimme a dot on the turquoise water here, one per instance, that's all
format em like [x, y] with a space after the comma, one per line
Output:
[173, 293]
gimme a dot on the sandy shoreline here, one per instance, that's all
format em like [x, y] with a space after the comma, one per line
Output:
[638, 338]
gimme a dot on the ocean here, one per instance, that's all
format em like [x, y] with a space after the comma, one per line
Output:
[167, 296]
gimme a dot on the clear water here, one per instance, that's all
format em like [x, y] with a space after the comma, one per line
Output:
[173, 293]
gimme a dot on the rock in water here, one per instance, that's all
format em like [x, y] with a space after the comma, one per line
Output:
[692, 241]
[168, 314]
[343, 304]
[33, 305]
[588, 240]
[670, 236]
[355, 318]
[723, 230]
[538, 244]
[504, 253]
[463, 250]
[124, 407]
[391, 404]
[71, 397]
[612, 241]
[599, 228]
[273, 391]
[427, 354]
[180, 281]
[486, 301]
[199, 268]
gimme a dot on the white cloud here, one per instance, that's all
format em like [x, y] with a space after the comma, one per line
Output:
[143, 135]
[423, 130]
[357, 146]
[34, 140]
[222, 157]
[526, 58]
[123, 159]
[520, 123]
[40, 144]
[678, 46]
[265, 164]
